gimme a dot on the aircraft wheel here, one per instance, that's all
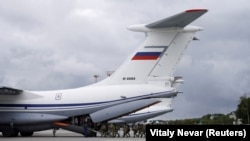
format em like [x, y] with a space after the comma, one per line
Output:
[26, 134]
[10, 133]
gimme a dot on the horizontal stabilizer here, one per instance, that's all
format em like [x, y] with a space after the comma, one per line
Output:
[178, 20]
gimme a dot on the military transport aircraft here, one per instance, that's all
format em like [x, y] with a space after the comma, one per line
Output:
[143, 80]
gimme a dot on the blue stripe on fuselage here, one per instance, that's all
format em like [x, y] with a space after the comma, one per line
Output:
[74, 105]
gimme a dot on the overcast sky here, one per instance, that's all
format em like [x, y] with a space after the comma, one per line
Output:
[59, 44]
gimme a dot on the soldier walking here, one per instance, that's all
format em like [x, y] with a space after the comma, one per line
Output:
[111, 130]
[103, 130]
[126, 131]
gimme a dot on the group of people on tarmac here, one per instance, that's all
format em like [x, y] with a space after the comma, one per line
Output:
[112, 130]
[139, 130]
[107, 129]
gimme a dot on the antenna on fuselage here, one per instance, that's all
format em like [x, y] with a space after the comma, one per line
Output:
[109, 73]
[96, 76]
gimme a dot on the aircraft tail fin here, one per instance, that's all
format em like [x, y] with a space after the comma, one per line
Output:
[156, 58]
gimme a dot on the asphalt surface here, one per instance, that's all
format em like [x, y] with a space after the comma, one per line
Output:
[63, 135]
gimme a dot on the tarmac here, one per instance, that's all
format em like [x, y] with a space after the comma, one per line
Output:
[63, 135]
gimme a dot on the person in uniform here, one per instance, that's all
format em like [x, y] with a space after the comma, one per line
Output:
[126, 131]
[117, 128]
[111, 130]
[103, 130]
[135, 129]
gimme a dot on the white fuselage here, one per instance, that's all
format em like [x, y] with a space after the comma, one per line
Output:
[88, 98]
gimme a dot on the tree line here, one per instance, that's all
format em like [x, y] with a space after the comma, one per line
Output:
[239, 116]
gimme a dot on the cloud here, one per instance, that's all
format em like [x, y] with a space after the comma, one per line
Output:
[49, 45]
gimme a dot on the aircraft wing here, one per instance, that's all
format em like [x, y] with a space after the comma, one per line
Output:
[9, 91]
[178, 20]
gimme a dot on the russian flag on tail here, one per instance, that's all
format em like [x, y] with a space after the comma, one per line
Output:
[146, 56]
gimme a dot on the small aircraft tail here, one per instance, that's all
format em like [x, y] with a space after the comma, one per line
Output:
[156, 58]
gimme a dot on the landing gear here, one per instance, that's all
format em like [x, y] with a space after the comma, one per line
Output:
[11, 132]
[26, 134]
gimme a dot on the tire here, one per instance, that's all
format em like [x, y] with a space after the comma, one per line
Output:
[10, 133]
[26, 134]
